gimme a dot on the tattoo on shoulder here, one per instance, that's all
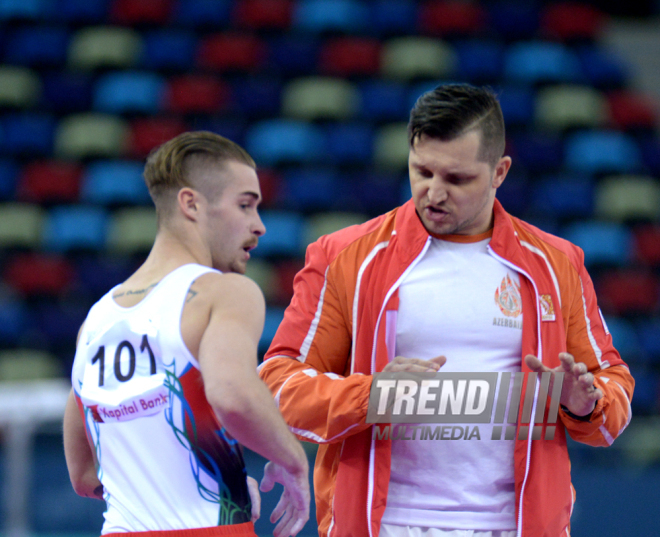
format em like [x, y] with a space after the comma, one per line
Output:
[191, 294]
[135, 291]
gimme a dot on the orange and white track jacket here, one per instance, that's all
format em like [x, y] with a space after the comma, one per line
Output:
[337, 333]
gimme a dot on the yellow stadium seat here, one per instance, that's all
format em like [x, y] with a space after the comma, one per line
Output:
[570, 106]
[91, 135]
[263, 273]
[391, 147]
[132, 230]
[104, 46]
[326, 223]
[21, 225]
[20, 87]
[417, 57]
[28, 364]
[319, 97]
[622, 197]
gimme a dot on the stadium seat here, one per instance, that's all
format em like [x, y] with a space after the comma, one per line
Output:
[648, 331]
[132, 230]
[315, 97]
[28, 134]
[310, 189]
[410, 57]
[39, 274]
[480, 61]
[646, 239]
[75, 227]
[317, 16]
[607, 243]
[196, 93]
[564, 195]
[599, 152]
[49, 181]
[231, 51]
[541, 62]
[563, 106]
[517, 103]
[263, 14]
[20, 87]
[169, 49]
[27, 10]
[263, 273]
[150, 132]
[451, 18]
[279, 141]
[538, 151]
[8, 178]
[570, 21]
[28, 364]
[628, 197]
[393, 17]
[645, 402]
[82, 11]
[203, 13]
[391, 148]
[136, 12]
[512, 20]
[283, 238]
[67, 92]
[272, 322]
[602, 67]
[650, 148]
[294, 54]
[383, 100]
[97, 274]
[285, 272]
[95, 47]
[38, 46]
[350, 143]
[325, 223]
[624, 336]
[14, 319]
[350, 56]
[59, 322]
[516, 196]
[87, 135]
[230, 127]
[257, 97]
[628, 291]
[111, 182]
[127, 92]
[21, 225]
[270, 182]
[376, 192]
[632, 110]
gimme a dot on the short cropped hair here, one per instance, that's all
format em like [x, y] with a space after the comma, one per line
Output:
[451, 110]
[168, 166]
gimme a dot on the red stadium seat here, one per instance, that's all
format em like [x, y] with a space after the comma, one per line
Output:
[132, 12]
[285, 272]
[346, 56]
[50, 181]
[263, 14]
[628, 291]
[631, 110]
[148, 133]
[231, 52]
[646, 241]
[451, 17]
[571, 21]
[196, 93]
[270, 183]
[35, 274]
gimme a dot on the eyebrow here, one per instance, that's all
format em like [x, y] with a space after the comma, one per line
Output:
[250, 194]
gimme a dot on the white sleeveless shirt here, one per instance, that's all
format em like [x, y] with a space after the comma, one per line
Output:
[165, 461]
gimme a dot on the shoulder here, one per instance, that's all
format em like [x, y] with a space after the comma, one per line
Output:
[228, 290]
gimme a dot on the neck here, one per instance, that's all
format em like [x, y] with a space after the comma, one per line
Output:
[170, 252]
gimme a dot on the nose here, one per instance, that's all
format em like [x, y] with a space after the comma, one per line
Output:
[437, 192]
[258, 228]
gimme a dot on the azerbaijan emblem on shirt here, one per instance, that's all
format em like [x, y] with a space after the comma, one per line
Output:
[507, 297]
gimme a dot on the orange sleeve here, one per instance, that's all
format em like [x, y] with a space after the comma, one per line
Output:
[308, 364]
[589, 341]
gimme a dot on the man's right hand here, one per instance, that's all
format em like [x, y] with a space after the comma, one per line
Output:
[415, 365]
[293, 508]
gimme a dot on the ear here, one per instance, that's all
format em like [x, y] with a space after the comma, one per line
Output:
[501, 169]
[188, 201]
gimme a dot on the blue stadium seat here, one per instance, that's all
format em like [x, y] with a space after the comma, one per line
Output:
[272, 322]
[75, 227]
[602, 67]
[14, 319]
[541, 62]
[111, 182]
[279, 141]
[232, 128]
[38, 46]
[480, 61]
[23, 9]
[377, 192]
[81, 11]
[8, 178]
[28, 134]
[350, 143]
[129, 92]
[512, 20]
[65, 91]
[60, 321]
[311, 189]
[383, 100]
[564, 195]
[517, 103]
[596, 152]
[331, 15]
[393, 17]
[646, 399]
[167, 49]
[295, 54]
[97, 274]
[514, 192]
[625, 337]
[607, 243]
[258, 97]
[203, 13]
[538, 151]
[648, 331]
[284, 232]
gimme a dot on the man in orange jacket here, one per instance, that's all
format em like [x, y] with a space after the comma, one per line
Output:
[449, 281]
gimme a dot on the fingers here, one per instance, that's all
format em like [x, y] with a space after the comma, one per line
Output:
[255, 498]
[268, 481]
[535, 364]
[414, 365]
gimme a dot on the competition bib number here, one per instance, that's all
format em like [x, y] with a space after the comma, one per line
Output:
[124, 375]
